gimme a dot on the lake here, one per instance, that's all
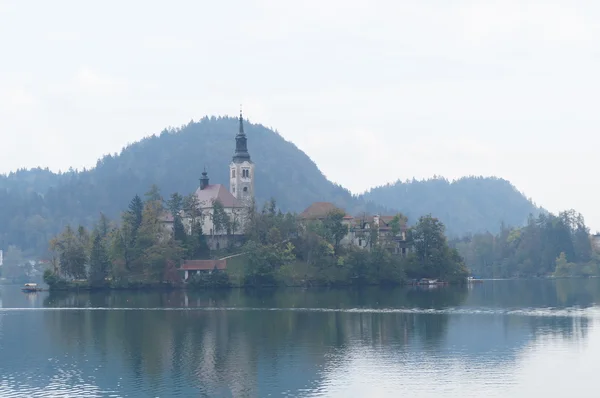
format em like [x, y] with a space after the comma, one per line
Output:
[495, 339]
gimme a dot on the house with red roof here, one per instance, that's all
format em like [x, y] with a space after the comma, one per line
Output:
[363, 231]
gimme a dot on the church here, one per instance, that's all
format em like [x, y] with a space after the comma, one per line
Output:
[235, 201]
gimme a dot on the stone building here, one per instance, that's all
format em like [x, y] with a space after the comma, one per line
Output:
[363, 231]
[234, 201]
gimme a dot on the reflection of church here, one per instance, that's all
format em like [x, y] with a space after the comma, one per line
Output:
[234, 200]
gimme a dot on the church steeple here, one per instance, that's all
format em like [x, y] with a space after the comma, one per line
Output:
[204, 180]
[241, 169]
[241, 146]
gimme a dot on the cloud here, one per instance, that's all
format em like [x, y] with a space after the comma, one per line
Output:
[90, 82]
[18, 100]
[166, 43]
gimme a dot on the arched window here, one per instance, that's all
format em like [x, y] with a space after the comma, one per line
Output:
[245, 189]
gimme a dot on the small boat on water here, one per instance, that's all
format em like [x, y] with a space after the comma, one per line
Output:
[470, 279]
[31, 287]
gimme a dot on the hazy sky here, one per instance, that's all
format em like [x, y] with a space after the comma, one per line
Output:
[371, 90]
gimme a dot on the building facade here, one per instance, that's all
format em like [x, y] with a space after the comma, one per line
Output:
[233, 202]
[363, 231]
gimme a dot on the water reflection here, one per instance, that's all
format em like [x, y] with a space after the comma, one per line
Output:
[261, 342]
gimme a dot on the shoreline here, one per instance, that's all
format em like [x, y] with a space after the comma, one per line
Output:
[187, 286]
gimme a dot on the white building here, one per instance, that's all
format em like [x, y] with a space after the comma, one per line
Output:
[235, 202]
[241, 169]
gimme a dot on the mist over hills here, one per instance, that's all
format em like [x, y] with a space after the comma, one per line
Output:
[38, 203]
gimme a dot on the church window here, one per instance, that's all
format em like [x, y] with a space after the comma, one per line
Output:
[233, 189]
[233, 173]
[245, 189]
[245, 173]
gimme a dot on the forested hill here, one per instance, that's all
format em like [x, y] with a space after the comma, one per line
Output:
[36, 204]
[466, 205]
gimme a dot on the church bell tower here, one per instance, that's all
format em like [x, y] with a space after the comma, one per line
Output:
[241, 169]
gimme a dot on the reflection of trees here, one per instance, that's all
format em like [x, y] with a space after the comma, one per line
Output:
[193, 340]
[208, 349]
[536, 293]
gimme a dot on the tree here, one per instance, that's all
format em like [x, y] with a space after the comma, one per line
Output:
[563, 267]
[432, 257]
[196, 245]
[134, 214]
[175, 206]
[191, 208]
[221, 221]
[153, 194]
[398, 222]
[71, 251]
[99, 262]
[104, 226]
[335, 228]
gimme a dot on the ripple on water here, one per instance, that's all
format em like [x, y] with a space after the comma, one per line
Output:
[572, 312]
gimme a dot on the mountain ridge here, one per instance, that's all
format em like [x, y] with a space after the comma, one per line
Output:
[40, 202]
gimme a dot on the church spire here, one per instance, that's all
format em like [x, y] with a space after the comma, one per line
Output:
[241, 131]
[204, 179]
[241, 147]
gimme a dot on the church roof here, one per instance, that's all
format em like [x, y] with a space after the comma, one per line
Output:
[208, 195]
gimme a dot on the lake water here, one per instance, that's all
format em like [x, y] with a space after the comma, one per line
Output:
[496, 339]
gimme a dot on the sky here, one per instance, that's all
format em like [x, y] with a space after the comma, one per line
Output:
[373, 91]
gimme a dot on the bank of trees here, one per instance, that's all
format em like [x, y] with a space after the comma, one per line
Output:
[278, 249]
[547, 245]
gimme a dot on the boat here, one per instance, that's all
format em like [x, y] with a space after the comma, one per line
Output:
[31, 287]
[431, 282]
[470, 279]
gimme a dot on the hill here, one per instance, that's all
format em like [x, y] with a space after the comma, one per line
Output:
[37, 203]
[467, 205]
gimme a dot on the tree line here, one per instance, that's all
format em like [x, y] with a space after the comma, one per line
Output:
[278, 249]
[548, 245]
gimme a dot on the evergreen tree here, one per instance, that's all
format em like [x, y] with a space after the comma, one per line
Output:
[99, 262]
[134, 214]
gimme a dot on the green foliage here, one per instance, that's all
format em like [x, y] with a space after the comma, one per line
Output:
[37, 203]
[432, 257]
[398, 222]
[99, 262]
[72, 248]
[279, 249]
[334, 228]
[533, 250]
[214, 279]
[221, 220]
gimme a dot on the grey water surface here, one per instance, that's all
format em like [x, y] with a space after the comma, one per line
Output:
[495, 339]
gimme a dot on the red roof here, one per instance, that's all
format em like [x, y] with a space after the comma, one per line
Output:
[203, 265]
[213, 192]
[319, 210]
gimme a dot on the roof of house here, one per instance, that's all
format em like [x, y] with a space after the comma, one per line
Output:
[319, 210]
[208, 195]
[203, 265]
